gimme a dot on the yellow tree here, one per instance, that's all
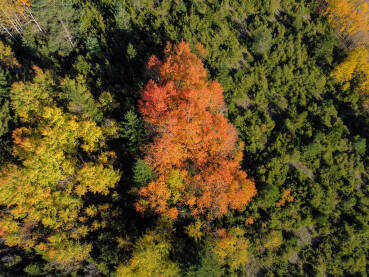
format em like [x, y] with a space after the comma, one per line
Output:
[62, 162]
[7, 57]
[356, 65]
[14, 15]
[151, 255]
[230, 247]
[351, 17]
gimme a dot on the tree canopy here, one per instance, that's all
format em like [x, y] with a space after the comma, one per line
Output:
[194, 152]
[184, 138]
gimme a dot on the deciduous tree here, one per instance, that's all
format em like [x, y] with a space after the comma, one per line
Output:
[231, 247]
[194, 153]
[356, 65]
[351, 17]
[7, 56]
[151, 255]
[62, 163]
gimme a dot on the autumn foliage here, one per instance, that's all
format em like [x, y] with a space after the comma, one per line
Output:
[194, 154]
[12, 15]
[286, 197]
[43, 194]
[231, 247]
[7, 57]
[350, 17]
[356, 65]
[249, 221]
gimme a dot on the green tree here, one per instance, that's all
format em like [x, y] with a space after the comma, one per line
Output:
[262, 42]
[5, 116]
[59, 21]
[134, 132]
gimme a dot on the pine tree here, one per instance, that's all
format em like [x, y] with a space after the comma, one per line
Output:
[59, 22]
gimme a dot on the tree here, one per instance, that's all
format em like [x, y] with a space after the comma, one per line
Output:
[8, 65]
[80, 99]
[355, 65]
[209, 264]
[231, 247]
[47, 196]
[59, 22]
[134, 132]
[142, 173]
[151, 255]
[7, 61]
[7, 56]
[262, 42]
[224, 251]
[5, 117]
[194, 153]
[350, 17]
[14, 16]
[286, 197]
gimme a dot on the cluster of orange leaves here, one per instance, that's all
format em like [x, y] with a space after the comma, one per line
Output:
[193, 141]
[286, 197]
[249, 221]
[2, 231]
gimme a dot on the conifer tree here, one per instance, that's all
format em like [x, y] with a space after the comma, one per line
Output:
[8, 64]
[59, 22]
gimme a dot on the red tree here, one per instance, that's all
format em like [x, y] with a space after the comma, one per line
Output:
[194, 153]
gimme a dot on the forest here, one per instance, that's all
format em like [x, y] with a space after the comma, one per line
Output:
[195, 138]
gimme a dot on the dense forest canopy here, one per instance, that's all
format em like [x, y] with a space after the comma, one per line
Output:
[184, 138]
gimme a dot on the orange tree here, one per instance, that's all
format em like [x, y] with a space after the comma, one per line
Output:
[194, 153]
